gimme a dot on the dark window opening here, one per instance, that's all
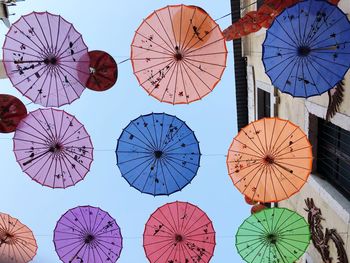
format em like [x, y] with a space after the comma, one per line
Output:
[259, 3]
[264, 104]
[333, 155]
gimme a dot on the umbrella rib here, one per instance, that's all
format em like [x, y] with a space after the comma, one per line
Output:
[14, 39]
[97, 228]
[171, 76]
[150, 145]
[287, 33]
[61, 69]
[166, 147]
[47, 43]
[172, 27]
[257, 134]
[143, 142]
[62, 59]
[146, 149]
[169, 62]
[69, 47]
[24, 140]
[291, 25]
[154, 141]
[168, 161]
[273, 184]
[188, 30]
[258, 183]
[279, 47]
[51, 135]
[230, 150]
[170, 226]
[274, 148]
[26, 79]
[155, 132]
[183, 82]
[169, 172]
[188, 48]
[304, 38]
[259, 151]
[50, 30]
[272, 134]
[313, 46]
[204, 62]
[318, 33]
[173, 159]
[190, 78]
[276, 36]
[155, 31]
[185, 63]
[167, 55]
[201, 69]
[13, 50]
[176, 83]
[166, 32]
[35, 44]
[179, 147]
[280, 55]
[245, 176]
[278, 150]
[308, 69]
[330, 61]
[189, 52]
[164, 141]
[206, 54]
[150, 160]
[58, 50]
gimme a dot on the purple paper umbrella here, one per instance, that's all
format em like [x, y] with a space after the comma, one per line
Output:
[87, 234]
[46, 59]
[53, 148]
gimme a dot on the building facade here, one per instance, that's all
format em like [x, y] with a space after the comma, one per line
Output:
[329, 184]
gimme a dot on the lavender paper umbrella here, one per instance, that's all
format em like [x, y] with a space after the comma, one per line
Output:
[46, 59]
[53, 148]
[87, 234]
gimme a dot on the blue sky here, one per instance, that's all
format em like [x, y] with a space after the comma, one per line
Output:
[110, 26]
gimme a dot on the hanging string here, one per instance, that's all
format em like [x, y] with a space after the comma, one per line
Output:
[123, 61]
[242, 8]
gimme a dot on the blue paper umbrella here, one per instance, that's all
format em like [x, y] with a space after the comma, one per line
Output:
[158, 154]
[307, 49]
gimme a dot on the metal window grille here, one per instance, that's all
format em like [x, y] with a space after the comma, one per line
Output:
[333, 155]
[264, 104]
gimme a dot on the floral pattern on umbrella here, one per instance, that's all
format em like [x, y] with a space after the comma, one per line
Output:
[17, 242]
[46, 59]
[179, 232]
[158, 154]
[53, 148]
[273, 235]
[270, 160]
[307, 48]
[87, 234]
[178, 54]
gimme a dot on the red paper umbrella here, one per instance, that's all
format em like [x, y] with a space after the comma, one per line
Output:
[103, 71]
[235, 31]
[178, 54]
[179, 232]
[249, 201]
[12, 111]
[257, 208]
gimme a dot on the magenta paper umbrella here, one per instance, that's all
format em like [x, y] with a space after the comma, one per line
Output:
[87, 234]
[46, 59]
[53, 148]
[179, 232]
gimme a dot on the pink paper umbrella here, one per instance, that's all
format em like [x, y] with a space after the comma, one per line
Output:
[53, 148]
[179, 232]
[46, 59]
[87, 234]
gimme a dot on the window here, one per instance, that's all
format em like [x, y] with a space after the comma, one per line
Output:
[259, 3]
[264, 104]
[333, 155]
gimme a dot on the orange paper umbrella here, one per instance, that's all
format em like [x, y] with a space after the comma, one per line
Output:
[17, 242]
[178, 54]
[270, 160]
[103, 71]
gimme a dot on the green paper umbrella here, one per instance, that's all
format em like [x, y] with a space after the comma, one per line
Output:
[275, 235]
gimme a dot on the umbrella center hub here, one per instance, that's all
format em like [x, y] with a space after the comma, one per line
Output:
[178, 54]
[6, 238]
[272, 239]
[158, 154]
[89, 238]
[269, 159]
[179, 238]
[304, 51]
[51, 61]
[55, 148]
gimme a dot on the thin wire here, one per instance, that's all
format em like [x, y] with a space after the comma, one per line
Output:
[242, 8]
